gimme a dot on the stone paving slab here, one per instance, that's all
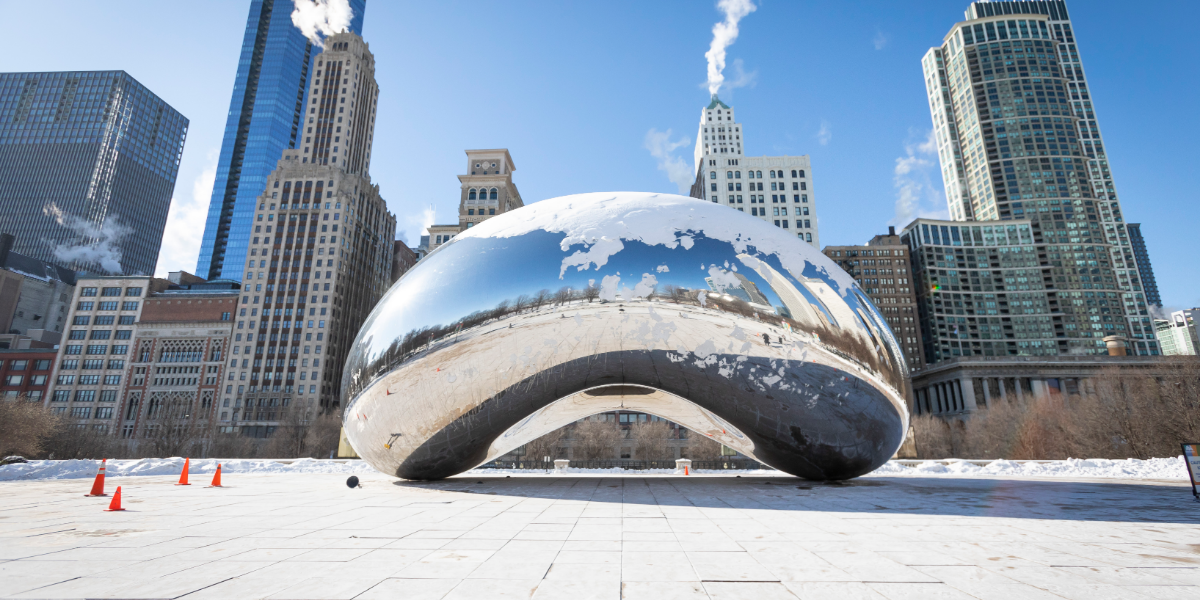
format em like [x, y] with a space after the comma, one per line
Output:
[582, 537]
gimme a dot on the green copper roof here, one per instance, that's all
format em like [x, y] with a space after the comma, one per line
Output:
[716, 103]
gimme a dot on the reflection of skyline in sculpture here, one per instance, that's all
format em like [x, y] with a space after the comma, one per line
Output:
[452, 377]
[746, 290]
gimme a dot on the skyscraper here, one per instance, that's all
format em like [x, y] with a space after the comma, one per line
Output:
[1142, 256]
[88, 161]
[265, 118]
[1017, 139]
[320, 251]
[723, 172]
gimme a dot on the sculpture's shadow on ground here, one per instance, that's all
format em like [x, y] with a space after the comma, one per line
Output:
[1078, 500]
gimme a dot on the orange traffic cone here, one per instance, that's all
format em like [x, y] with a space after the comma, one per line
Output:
[98, 485]
[183, 477]
[685, 470]
[217, 478]
[116, 501]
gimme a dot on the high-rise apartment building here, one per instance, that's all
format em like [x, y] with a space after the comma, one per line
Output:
[320, 252]
[1142, 257]
[1018, 140]
[725, 175]
[882, 270]
[988, 288]
[266, 117]
[486, 191]
[87, 151]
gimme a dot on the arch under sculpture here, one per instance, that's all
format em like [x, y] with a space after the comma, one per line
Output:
[662, 304]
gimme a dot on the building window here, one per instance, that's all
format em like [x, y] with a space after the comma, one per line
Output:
[111, 291]
[87, 291]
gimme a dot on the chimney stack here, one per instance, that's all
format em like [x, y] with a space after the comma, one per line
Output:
[1116, 345]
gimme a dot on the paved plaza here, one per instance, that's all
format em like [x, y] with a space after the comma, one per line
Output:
[583, 537]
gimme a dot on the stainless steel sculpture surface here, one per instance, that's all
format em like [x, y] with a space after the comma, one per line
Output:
[656, 303]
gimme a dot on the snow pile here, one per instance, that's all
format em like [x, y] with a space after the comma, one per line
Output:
[1132, 468]
[77, 469]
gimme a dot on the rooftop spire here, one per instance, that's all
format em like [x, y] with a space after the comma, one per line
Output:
[716, 103]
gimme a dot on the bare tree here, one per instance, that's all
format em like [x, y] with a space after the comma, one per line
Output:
[290, 436]
[595, 439]
[231, 444]
[25, 427]
[172, 428]
[324, 434]
[702, 447]
[541, 298]
[562, 296]
[650, 440]
[547, 445]
[79, 440]
[591, 292]
[521, 303]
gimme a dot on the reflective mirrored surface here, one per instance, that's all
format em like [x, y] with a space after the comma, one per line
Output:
[663, 304]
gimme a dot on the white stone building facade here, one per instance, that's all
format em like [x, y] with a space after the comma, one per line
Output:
[776, 189]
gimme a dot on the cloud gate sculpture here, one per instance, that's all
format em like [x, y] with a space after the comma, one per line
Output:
[642, 302]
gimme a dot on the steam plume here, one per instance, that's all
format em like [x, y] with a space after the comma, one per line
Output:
[724, 34]
[99, 245]
[319, 18]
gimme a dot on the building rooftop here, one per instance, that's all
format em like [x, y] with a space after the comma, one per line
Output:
[716, 103]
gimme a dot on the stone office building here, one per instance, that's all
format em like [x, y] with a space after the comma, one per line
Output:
[485, 191]
[320, 253]
[177, 362]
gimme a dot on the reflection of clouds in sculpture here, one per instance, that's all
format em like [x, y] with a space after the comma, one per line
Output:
[532, 309]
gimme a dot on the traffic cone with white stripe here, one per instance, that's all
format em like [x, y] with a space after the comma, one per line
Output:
[98, 485]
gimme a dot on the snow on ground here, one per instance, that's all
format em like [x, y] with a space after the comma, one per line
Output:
[1132, 468]
[76, 469]
[1154, 468]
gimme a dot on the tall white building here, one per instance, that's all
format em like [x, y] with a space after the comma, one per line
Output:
[776, 189]
[320, 255]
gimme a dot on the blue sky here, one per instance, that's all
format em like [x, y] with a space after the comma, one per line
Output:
[573, 88]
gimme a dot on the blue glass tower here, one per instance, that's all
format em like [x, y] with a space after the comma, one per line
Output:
[88, 161]
[264, 119]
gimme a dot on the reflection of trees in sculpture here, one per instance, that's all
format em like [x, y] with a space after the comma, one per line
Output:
[839, 341]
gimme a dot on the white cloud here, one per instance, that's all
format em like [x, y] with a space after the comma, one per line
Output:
[880, 40]
[724, 34]
[662, 148]
[185, 224]
[916, 196]
[319, 18]
[825, 134]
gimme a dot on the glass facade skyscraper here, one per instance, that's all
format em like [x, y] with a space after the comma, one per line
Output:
[1142, 256]
[1017, 139]
[79, 152]
[265, 116]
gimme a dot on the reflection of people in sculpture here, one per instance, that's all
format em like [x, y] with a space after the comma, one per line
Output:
[766, 339]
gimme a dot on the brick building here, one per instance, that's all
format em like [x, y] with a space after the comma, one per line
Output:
[25, 372]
